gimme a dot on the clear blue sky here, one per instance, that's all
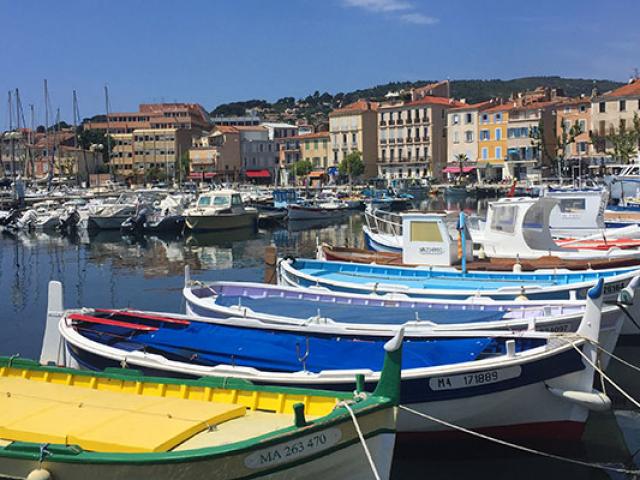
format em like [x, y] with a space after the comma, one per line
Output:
[215, 51]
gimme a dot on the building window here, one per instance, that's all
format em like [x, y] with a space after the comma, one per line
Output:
[485, 118]
[485, 153]
[468, 118]
[384, 156]
[498, 134]
[485, 135]
[456, 137]
[498, 153]
[602, 107]
[623, 105]
[456, 119]
[582, 124]
[497, 118]
[583, 108]
[354, 138]
[582, 146]
[468, 136]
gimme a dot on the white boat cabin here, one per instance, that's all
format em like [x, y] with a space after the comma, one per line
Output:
[426, 240]
[519, 227]
[578, 213]
[221, 200]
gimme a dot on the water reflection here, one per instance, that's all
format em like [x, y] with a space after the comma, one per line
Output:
[114, 270]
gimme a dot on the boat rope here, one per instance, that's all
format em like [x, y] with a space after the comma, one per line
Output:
[600, 371]
[522, 448]
[623, 308]
[367, 453]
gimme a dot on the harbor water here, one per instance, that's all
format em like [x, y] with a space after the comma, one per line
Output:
[109, 269]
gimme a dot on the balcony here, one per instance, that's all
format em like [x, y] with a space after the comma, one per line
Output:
[383, 123]
[383, 141]
[392, 141]
[400, 141]
[408, 121]
[409, 140]
[400, 122]
[392, 122]
[417, 139]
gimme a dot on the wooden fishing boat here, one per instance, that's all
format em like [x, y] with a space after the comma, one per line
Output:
[340, 312]
[447, 283]
[521, 385]
[358, 255]
[66, 424]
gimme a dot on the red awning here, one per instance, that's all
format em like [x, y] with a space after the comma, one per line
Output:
[209, 174]
[195, 175]
[457, 169]
[258, 174]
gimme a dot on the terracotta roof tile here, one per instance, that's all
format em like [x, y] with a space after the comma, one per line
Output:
[628, 90]
[310, 136]
[356, 107]
[429, 100]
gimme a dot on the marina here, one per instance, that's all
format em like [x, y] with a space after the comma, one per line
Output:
[345, 240]
[146, 272]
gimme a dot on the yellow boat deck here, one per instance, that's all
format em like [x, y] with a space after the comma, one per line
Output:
[113, 415]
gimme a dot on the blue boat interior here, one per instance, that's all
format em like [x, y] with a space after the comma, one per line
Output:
[281, 351]
[303, 309]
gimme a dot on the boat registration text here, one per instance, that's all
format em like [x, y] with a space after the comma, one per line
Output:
[474, 379]
[294, 450]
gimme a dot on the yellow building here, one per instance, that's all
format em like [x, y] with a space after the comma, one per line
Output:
[492, 141]
[315, 148]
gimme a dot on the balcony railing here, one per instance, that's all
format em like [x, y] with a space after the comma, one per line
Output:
[383, 123]
[400, 141]
[383, 141]
[400, 122]
[392, 140]
[392, 122]
[409, 139]
[408, 121]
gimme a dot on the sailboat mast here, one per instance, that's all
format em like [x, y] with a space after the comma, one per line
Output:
[76, 140]
[32, 131]
[106, 101]
[46, 137]
[56, 147]
[20, 126]
[12, 137]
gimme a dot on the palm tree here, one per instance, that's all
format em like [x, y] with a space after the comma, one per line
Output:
[461, 159]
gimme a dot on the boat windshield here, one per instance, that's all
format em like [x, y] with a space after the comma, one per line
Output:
[216, 201]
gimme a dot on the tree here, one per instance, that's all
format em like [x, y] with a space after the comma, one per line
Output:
[538, 138]
[182, 166]
[351, 165]
[87, 138]
[302, 168]
[624, 141]
[564, 140]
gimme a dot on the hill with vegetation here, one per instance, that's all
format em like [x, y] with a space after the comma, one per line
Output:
[316, 107]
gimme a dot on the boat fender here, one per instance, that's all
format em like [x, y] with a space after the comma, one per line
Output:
[522, 297]
[595, 401]
[517, 267]
[511, 348]
[481, 253]
[39, 474]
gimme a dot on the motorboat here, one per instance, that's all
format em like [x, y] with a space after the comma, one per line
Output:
[111, 216]
[166, 217]
[220, 210]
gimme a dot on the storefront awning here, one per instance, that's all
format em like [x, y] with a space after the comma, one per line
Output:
[258, 174]
[209, 174]
[316, 174]
[452, 169]
[195, 175]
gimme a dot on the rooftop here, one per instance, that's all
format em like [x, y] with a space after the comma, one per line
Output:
[628, 90]
[356, 107]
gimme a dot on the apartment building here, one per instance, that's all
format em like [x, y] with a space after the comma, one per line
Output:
[158, 150]
[354, 128]
[412, 140]
[492, 141]
[154, 116]
[260, 158]
[122, 154]
[462, 135]
[575, 113]
[216, 155]
[615, 109]
[315, 148]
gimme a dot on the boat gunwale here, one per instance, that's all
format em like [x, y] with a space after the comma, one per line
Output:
[32, 451]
